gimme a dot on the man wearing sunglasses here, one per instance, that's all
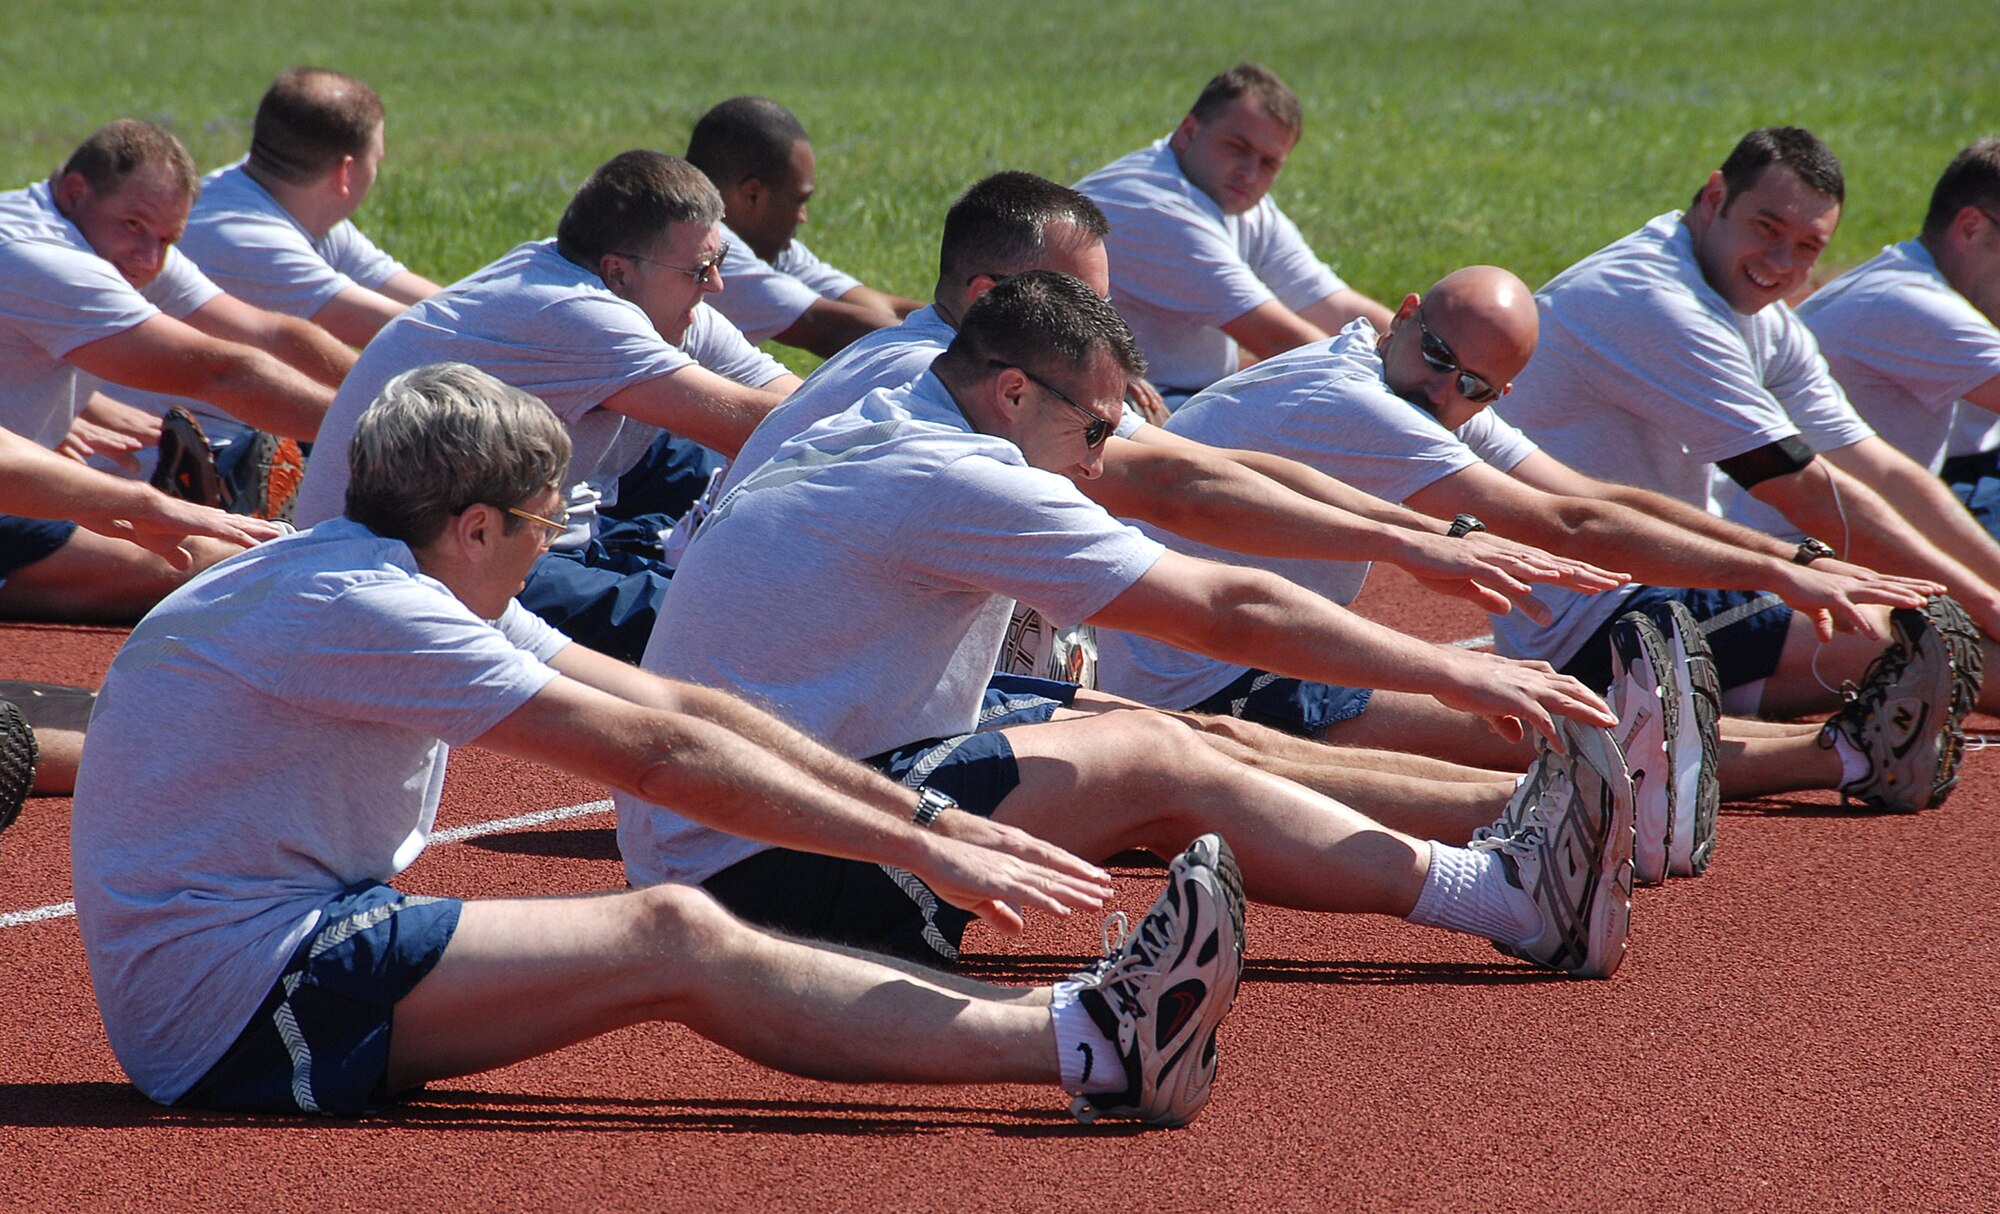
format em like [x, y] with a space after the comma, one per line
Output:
[1911, 334]
[607, 323]
[1207, 270]
[1404, 414]
[860, 582]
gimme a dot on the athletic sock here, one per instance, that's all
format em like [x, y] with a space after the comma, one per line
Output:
[1088, 1060]
[1468, 891]
[1853, 764]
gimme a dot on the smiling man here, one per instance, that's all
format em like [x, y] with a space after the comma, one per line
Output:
[607, 324]
[1206, 269]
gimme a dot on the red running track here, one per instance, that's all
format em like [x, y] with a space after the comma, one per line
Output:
[1811, 1026]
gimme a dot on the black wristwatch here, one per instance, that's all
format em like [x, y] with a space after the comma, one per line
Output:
[931, 803]
[1464, 524]
[1811, 550]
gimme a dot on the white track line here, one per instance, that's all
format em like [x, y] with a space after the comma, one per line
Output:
[457, 834]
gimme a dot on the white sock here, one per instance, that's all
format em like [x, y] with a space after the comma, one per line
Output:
[1468, 891]
[1853, 764]
[1088, 1060]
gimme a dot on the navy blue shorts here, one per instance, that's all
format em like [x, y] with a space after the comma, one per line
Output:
[320, 1042]
[1745, 628]
[1976, 481]
[23, 541]
[874, 906]
[602, 597]
[1291, 705]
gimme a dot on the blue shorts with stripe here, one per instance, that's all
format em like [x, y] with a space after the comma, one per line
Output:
[1745, 628]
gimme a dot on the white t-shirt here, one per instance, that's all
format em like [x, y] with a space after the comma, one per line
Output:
[1645, 376]
[532, 319]
[1327, 406]
[763, 298]
[56, 294]
[859, 584]
[1181, 269]
[272, 733]
[251, 247]
[1906, 347]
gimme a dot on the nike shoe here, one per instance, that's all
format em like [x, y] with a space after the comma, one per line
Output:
[1572, 853]
[18, 753]
[1645, 694]
[1697, 774]
[1902, 717]
[1160, 995]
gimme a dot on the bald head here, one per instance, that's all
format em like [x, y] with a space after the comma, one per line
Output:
[1481, 320]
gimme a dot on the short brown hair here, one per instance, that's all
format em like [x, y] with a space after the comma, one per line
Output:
[629, 202]
[1254, 79]
[309, 118]
[119, 149]
[1971, 180]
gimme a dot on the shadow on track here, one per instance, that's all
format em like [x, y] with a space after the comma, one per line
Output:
[573, 843]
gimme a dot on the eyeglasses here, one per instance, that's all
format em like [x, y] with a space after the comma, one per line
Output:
[701, 271]
[553, 529]
[1094, 434]
[1439, 357]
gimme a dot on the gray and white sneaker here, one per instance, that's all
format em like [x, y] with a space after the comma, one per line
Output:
[1572, 853]
[1645, 693]
[1697, 774]
[1904, 715]
[1160, 995]
[18, 753]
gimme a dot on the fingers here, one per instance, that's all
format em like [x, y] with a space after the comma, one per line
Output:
[1000, 917]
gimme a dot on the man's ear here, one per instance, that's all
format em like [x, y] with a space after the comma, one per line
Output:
[1713, 194]
[70, 189]
[1184, 132]
[343, 176]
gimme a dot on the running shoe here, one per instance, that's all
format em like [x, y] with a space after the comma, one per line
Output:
[1572, 853]
[1645, 695]
[1697, 757]
[264, 480]
[1961, 645]
[18, 753]
[1160, 994]
[1903, 715]
[187, 464]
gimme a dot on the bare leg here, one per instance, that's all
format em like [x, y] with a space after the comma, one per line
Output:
[524, 978]
[95, 579]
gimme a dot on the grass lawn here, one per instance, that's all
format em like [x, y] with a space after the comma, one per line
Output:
[1438, 132]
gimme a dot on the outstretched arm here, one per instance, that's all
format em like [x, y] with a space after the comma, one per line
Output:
[298, 343]
[162, 354]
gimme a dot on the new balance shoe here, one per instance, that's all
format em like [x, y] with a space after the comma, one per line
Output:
[18, 753]
[1961, 645]
[1160, 995]
[1697, 754]
[1902, 719]
[1645, 694]
[1572, 854]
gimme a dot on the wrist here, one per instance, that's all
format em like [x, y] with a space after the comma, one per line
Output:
[931, 805]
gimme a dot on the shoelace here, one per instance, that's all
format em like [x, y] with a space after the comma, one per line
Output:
[1534, 823]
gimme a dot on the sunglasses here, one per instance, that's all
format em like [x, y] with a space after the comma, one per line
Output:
[1439, 357]
[1094, 433]
[700, 271]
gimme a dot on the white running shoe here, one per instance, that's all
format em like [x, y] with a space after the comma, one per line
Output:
[1645, 693]
[1697, 773]
[1160, 996]
[1572, 854]
[1903, 715]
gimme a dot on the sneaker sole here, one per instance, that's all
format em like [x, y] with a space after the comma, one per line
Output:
[1651, 852]
[1610, 911]
[18, 753]
[1693, 845]
[1212, 852]
[1961, 645]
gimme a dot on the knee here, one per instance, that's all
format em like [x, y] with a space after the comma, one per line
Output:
[682, 919]
[1165, 746]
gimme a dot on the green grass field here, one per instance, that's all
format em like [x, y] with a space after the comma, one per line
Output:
[1437, 133]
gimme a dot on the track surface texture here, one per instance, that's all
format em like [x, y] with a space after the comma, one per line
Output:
[1810, 1026]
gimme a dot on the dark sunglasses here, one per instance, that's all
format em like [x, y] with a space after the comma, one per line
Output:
[1094, 434]
[1439, 357]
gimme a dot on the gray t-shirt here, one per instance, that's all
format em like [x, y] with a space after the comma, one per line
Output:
[1906, 347]
[57, 294]
[319, 680]
[1645, 376]
[532, 319]
[883, 549]
[1327, 406]
[251, 247]
[1181, 269]
[763, 298]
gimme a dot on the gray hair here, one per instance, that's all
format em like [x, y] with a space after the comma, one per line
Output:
[442, 438]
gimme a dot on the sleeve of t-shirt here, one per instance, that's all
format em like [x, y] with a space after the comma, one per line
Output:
[180, 288]
[268, 262]
[404, 652]
[1932, 343]
[59, 299]
[721, 347]
[1391, 451]
[981, 523]
[526, 630]
[1798, 377]
[1288, 266]
[591, 348]
[349, 251]
[820, 278]
[1179, 259]
[1492, 439]
[757, 298]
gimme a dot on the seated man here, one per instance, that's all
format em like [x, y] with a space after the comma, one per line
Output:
[860, 582]
[307, 773]
[92, 289]
[761, 162]
[606, 323]
[275, 228]
[1206, 269]
[1911, 334]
